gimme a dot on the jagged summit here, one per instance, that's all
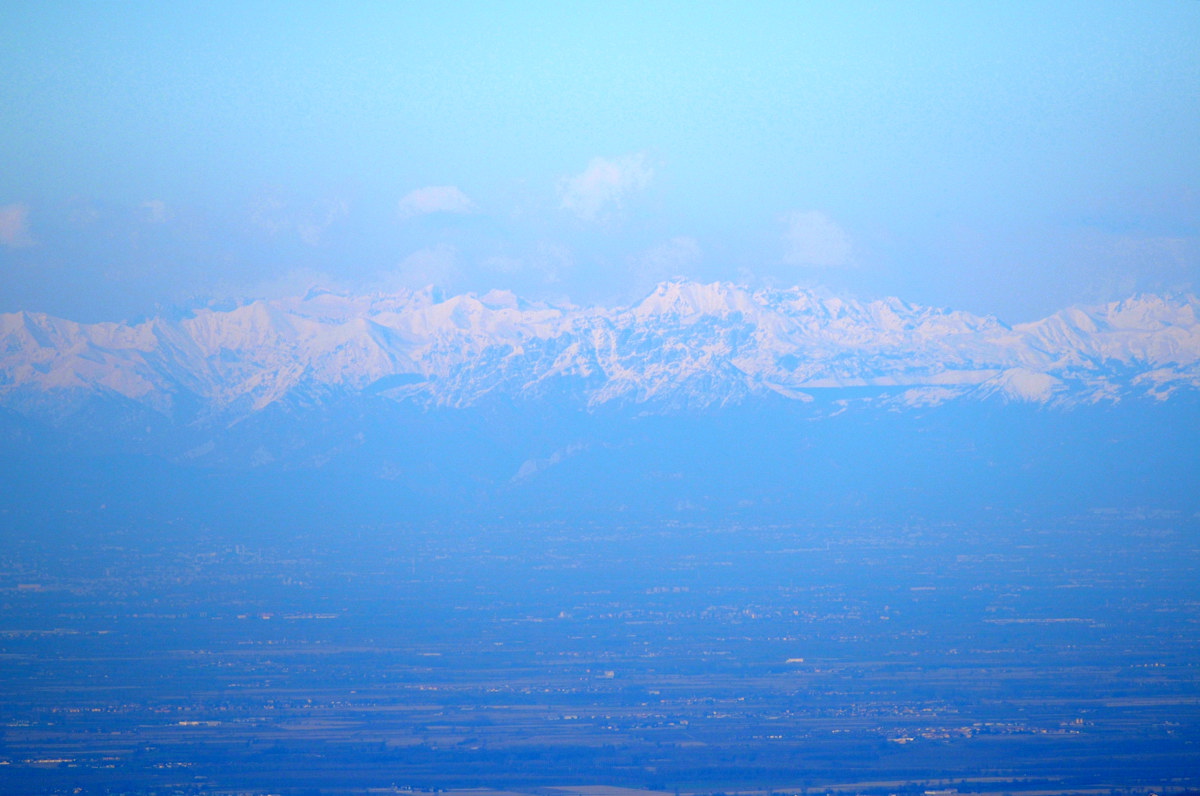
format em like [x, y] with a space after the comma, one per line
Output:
[684, 344]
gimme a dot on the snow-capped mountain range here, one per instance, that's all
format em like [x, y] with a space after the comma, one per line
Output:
[684, 345]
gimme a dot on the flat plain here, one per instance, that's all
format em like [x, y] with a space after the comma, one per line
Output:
[1005, 655]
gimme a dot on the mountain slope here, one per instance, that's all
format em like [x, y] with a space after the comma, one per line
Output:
[686, 345]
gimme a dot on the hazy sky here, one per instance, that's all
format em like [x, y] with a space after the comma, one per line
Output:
[1004, 158]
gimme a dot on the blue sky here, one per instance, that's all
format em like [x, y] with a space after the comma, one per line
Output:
[1002, 158]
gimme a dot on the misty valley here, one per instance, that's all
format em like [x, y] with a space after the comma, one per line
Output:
[1006, 654]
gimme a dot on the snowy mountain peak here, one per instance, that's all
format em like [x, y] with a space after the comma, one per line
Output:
[684, 345]
[688, 299]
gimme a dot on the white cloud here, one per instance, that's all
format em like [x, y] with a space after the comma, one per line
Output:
[14, 226]
[812, 239]
[435, 199]
[603, 186]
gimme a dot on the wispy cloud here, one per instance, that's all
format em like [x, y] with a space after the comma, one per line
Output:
[672, 258]
[275, 216]
[531, 467]
[677, 257]
[155, 211]
[435, 199]
[14, 226]
[434, 265]
[548, 263]
[602, 187]
[312, 229]
[813, 240]
[270, 214]
[1115, 265]
[296, 282]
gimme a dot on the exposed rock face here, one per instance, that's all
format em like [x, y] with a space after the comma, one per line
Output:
[684, 345]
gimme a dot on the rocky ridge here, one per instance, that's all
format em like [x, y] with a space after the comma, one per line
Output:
[686, 345]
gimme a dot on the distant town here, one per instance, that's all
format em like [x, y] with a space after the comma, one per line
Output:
[993, 658]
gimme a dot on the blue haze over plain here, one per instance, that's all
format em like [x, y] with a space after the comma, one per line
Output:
[693, 396]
